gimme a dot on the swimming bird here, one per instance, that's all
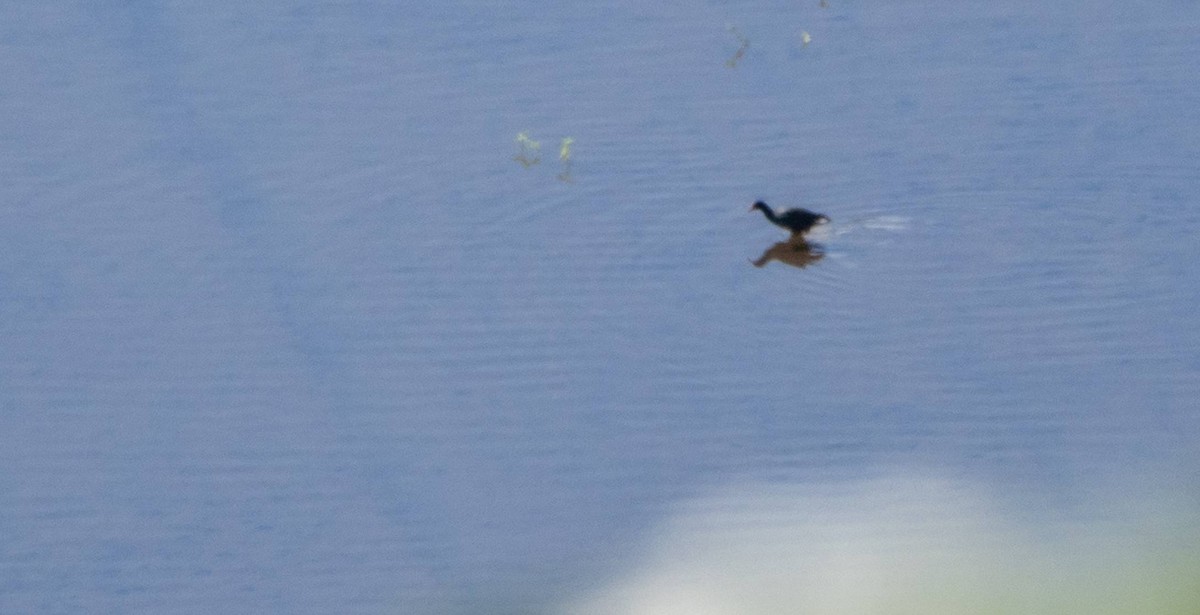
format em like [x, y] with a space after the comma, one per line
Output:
[799, 221]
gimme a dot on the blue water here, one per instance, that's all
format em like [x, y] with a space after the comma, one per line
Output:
[287, 328]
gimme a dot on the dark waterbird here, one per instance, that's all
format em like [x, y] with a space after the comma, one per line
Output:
[799, 221]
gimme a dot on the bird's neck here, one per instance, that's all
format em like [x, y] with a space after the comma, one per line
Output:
[769, 214]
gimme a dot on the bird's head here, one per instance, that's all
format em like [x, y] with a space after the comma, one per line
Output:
[759, 205]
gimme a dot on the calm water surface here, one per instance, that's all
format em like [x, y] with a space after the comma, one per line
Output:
[288, 329]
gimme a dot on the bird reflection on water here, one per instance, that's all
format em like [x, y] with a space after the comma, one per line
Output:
[795, 252]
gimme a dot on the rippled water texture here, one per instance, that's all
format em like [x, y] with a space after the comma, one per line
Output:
[293, 323]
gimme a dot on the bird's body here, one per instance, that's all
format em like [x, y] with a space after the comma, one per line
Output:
[799, 220]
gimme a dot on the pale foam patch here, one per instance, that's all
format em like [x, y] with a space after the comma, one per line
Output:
[888, 224]
[894, 224]
[901, 546]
